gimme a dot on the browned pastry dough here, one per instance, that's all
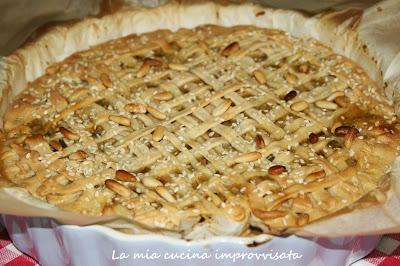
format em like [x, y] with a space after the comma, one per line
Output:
[173, 129]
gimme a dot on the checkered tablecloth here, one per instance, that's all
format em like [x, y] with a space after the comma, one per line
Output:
[9, 255]
[386, 254]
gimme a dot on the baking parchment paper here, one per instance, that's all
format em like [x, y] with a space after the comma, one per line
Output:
[20, 18]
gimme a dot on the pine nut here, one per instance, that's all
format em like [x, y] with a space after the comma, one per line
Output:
[163, 192]
[151, 182]
[125, 176]
[299, 106]
[248, 157]
[230, 49]
[157, 114]
[178, 67]
[158, 133]
[55, 145]
[152, 62]
[222, 108]
[145, 68]
[163, 96]
[116, 187]
[334, 95]
[259, 142]
[341, 101]
[69, 134]
[276, 170]
[343, 130]
[105, 79]
[349, 138]
[93, 81]
[313, 138]
[326, 105]
[314, 176]
[135, 108]
[290, 95]
[260, 77]
[260, 13]
[78, 155]
[122, 120]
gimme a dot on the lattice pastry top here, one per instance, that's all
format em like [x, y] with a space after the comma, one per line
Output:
[180, 130]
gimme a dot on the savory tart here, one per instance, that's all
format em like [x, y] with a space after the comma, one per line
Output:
[245, 127]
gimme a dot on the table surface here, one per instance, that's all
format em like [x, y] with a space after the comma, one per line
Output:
[386, 254]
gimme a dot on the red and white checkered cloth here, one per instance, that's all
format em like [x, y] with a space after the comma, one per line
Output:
[386, 254]
[9, 255]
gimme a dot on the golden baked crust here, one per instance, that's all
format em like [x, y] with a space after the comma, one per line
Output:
[175, 129]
